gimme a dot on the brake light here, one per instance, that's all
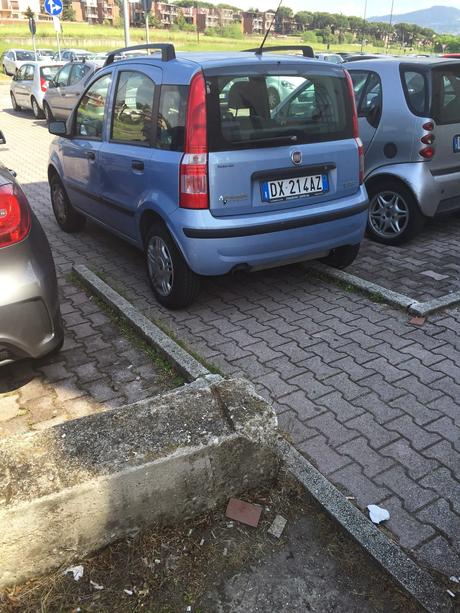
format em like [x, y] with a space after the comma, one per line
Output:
[43, 84]
[194, 165]
[14, 215]
[359, 142]
[427, 139]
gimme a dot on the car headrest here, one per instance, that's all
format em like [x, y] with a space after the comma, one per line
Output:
[249, 95]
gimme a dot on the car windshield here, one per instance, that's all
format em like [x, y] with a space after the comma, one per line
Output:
[272, 110]
[24, 56]
[48, 72]
[446, 94]
[46, 52]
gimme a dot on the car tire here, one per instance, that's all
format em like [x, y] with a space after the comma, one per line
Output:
[341, 257]
[14, 104]
[273, 98]
[38, 113]
[48, 113]
[394, 214]
[174, 284]
[67, 217]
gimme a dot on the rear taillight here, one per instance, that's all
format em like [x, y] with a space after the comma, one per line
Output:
[351, 95]
[14, 215]
[428, 151]
[43, 84]
[194, 165]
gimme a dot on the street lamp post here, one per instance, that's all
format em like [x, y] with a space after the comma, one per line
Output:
[364, 24]
[126, 22]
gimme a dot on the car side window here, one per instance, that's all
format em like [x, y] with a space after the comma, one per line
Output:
[371, 100]
[89, 120]
[133, 110]
[416, 91]
[20, 74]
[77, 73]
[62, 77]
[171, 117]
[359, 81]
[28, 73]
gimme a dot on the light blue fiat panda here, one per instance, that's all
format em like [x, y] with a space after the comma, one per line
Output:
[184, 156]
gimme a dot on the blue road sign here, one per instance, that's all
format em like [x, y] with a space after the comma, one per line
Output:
[53, 7]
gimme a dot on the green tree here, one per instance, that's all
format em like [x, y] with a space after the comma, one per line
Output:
[68, 12]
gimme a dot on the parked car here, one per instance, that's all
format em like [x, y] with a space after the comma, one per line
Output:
[207, 185]
[30, 84]
[409, 121]
[336, 58]
[65, 88]
[69, 55]
[30, 318]
[13, 59]
[452, 55]
[46, 53]
[354, 57]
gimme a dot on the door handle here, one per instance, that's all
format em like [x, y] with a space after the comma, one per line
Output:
[90, 155]
[137, 165]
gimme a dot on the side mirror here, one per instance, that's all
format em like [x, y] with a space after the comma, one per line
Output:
[58, 128]
[2, 138]
[51, 84]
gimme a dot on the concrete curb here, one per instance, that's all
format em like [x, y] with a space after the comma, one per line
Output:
[182, 360]
[389, 555]
[72, 489]
[387, 295]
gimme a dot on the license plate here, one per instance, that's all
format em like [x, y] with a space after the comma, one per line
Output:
[457, 143]
[286, 189]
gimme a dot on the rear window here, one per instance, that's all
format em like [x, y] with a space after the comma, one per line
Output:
[266, 110]
[415, 87]
[48, 72]
[446, 94]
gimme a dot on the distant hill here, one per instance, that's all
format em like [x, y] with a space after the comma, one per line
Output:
[441, 19]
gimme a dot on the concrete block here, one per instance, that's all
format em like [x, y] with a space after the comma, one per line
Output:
[69, 490]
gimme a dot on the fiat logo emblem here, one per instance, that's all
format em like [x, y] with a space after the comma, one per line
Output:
[296, 157]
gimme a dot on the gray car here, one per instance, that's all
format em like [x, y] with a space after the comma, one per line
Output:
[409, 122]
[30, 318]
[65, 89]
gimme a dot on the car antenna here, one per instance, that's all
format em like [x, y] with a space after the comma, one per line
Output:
[259, 51]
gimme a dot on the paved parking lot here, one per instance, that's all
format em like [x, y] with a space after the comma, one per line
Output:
[370, 399]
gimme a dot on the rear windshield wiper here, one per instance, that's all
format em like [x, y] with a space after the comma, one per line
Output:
[268, 140]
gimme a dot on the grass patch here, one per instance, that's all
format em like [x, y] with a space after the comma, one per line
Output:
[348, 287]
[171, 376]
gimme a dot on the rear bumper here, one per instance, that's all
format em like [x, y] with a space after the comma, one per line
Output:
[214, 246]
[30, 319]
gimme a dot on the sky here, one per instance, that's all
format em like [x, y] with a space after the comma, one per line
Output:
[375, 8]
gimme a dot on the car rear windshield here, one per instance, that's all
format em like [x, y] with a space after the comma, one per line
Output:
[48, 72]
[247, 112]
[446, 94]
[415, 85]
[24, 56]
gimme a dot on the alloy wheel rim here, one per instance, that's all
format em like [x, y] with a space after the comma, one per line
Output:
[160, 266]
[35, 108]
[388, 214]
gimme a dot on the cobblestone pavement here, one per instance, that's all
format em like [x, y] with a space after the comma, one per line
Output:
[370, 399]
[428, 267]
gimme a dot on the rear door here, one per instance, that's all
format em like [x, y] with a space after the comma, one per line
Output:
[127, 158]
[71, 93]
[446, 113]
[56, 95]
[299, 154]
[24, 78]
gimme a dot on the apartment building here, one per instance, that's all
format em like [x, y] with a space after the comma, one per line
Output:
[96, 11]
[15, 9]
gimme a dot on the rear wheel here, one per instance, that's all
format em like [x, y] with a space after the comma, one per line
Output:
[394, 214]
[38, 113]
[14, 104]
[67, 217]
[342, 256]
[47, 112]
[4, 69]
[175, 286]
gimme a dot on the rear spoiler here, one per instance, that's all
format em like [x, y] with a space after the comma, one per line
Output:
[307, 51]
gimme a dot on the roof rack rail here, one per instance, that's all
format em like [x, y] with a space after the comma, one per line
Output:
[168, 51]
[307, 51]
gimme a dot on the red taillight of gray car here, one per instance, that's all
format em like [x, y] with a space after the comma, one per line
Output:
[194, 165]
[43, 84]
[14, 215]
[427, 139]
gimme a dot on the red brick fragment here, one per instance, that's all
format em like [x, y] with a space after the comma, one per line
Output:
[244, 512]
[417, 321]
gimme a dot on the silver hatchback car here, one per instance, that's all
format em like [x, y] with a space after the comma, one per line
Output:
[30, 318]
[409, 122]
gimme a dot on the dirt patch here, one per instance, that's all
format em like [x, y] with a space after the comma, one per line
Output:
[211, 564]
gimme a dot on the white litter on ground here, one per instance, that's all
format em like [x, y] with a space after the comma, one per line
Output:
[76, 571]
[277, 527]
[129, 592]
[377, 514]
[96, 586]
[454, 579]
